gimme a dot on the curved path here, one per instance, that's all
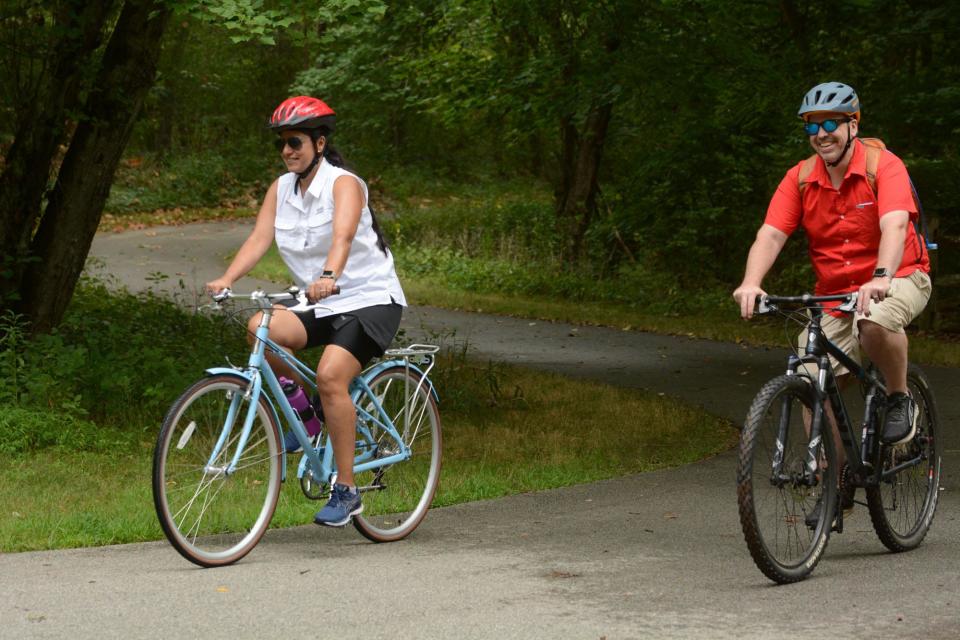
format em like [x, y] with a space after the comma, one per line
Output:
[656, 555]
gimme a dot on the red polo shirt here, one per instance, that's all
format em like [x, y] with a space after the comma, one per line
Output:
[843, 226]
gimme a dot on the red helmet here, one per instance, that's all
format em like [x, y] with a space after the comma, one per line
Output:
[303, 112]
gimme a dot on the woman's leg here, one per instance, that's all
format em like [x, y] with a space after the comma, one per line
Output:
[287, 330]
[336, 369]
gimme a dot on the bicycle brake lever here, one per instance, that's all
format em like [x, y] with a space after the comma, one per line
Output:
[849, 307]
[763, 306]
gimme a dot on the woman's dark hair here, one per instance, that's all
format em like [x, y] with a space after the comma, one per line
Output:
[331, 155]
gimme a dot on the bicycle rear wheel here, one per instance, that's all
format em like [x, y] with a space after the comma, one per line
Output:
[903, 505]
[397, 497]
[775, 506]
[211, 518]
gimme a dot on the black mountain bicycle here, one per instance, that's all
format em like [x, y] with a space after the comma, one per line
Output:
[787, 476]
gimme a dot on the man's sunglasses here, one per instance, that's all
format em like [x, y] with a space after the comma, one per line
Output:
[811, 128]
[294, 142]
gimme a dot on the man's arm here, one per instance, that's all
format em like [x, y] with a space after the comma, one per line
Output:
[763, 253]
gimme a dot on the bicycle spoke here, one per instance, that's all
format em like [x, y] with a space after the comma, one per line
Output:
[774, 500]
[404, 489]
[902, 506]
[212, 518]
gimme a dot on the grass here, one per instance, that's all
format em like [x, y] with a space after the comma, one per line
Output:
[506, 430]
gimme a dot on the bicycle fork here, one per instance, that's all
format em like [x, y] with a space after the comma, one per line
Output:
[252, 392]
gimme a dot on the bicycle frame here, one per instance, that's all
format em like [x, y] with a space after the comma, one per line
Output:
[860, 458]
[318, 462]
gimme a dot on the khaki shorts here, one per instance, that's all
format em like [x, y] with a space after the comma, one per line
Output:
[907, 298]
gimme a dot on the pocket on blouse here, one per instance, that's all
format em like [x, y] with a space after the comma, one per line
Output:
[320, 217]
[285, 220]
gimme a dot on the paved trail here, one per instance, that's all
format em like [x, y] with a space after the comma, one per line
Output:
[656, 555]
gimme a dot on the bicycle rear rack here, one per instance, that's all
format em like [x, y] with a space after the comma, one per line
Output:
[422, 356]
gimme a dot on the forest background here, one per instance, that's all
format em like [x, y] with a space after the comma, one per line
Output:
[614, 150]
[603, 161]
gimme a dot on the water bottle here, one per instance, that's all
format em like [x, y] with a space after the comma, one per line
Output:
[301, 404]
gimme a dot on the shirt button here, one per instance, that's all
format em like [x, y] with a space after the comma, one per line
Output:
[846, 240]
[842, 217]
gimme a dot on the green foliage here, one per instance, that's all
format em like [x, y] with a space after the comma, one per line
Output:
[244, 20]
[201, 179]
[499, 237]
[24, 429]
[118, 360]
[430, 94]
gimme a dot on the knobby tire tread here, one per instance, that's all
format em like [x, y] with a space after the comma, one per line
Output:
[875, 503]
[754, 539]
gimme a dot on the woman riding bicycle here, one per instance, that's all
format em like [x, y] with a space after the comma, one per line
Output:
[320, 216]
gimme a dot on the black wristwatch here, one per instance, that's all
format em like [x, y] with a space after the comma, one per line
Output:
[327, 274]
[882, 272]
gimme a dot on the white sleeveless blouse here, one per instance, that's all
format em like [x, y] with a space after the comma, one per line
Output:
[304, 234]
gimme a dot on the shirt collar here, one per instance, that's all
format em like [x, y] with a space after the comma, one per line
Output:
[316, 185]
[857, 166]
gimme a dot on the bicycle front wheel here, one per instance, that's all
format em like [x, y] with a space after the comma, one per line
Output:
[903, 505]
[783, 515]
[397, 497]
[212, 517]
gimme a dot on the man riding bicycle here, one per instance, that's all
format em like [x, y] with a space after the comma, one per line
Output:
[860, 239]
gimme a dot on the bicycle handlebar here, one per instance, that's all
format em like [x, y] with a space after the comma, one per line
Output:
[768, 303]
[264, 299]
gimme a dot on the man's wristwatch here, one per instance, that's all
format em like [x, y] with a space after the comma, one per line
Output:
[882, 272]
[327, 274]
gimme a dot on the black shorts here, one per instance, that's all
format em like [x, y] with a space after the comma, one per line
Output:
[366, 333]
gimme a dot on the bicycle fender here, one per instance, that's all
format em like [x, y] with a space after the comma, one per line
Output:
[243, 375]
[376, 369]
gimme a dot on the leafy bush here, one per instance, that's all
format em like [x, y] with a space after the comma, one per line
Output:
[198, 179]
[118, 360]
[25, 429]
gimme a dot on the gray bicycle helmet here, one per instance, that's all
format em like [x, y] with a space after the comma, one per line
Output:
[834, 97]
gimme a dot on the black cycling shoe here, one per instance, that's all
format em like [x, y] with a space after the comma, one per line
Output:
[813, 518]
[844, 502]
[900, 422]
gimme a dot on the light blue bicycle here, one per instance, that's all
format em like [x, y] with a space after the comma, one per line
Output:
[219, 460]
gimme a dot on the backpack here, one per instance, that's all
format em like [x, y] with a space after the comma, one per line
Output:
[874, 148]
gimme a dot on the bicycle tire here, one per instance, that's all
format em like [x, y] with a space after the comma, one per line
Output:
[773, 512]
[210, 518]
[902, 507]
[396, 498]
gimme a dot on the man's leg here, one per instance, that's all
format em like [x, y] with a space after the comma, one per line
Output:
[888, 350]
[882, 336]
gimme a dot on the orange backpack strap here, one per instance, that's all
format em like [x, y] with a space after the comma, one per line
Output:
[805, 170]
[874, 148]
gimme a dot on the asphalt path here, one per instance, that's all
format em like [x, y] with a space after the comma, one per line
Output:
[655, 555]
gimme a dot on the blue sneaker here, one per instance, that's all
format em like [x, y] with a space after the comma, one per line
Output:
[290, 442]
[343, 505]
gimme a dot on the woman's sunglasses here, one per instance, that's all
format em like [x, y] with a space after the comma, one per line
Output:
[294, 142]
[829, 126]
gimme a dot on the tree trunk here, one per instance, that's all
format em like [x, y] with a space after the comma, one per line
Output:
[42, 116]
[83, 184]
[577, 195]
